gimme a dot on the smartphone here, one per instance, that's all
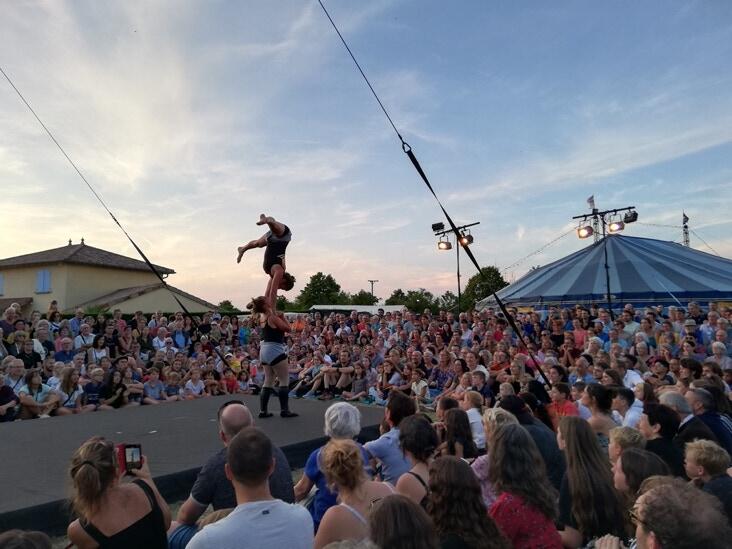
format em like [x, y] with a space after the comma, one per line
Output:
[129, 457]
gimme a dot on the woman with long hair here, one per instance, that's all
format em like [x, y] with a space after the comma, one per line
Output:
[526, 506]
[343, 466]
[97, 350]
[69, 393]
[598, 399]
[634, 466]
[396, 522]
[457, 510]
[458, 438]
[589, 505]
[418, 441]
[113, 513]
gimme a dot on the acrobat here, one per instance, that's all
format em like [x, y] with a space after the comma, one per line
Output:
[275, 241]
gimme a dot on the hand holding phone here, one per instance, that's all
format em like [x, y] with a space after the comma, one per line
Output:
[129, 458]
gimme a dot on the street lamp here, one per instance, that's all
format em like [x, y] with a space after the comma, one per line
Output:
[464, 239]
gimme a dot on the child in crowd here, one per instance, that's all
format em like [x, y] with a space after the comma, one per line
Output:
[213, 387]
[706, 465]
[459, 392]
[230, 383]
[578, 387]
[135, 388]
[93, 390]
[360, 384]
[479, 379]
[195, 386]
[243, 382]
[153, 389]
[561, 404]
[419, 387]
[473, 406]
[172, 385]
[55, 380]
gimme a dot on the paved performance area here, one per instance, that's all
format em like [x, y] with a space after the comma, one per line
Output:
[177, 438]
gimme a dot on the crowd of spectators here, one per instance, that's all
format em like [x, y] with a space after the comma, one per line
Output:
[591, 428]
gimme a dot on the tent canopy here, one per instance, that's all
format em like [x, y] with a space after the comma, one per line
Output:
[642, 271]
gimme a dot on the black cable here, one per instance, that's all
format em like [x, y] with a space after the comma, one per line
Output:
[408, 151]
[104, 205]
[703, 241]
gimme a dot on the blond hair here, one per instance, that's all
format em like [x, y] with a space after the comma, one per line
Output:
[709, 455]
[93, 470]
[627, 437]
[495, 417]
[342, 464]
[475, 399]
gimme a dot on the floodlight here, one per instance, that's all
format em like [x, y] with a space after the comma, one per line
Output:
[466, 239]
[585, 231]
[630, 217]
[437, 227]
[444, 244]
[615, 226]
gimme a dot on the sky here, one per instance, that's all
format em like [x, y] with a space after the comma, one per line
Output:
[192, 118]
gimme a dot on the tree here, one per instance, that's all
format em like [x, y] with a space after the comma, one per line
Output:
[397, 297]
[419, 300]
[481, 285]
[321, 289]
[448, 301]
[226, 306]
[364, 298]
[283, 304]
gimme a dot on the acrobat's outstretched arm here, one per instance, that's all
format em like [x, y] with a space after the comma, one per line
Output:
[273, 284]
[259, 243]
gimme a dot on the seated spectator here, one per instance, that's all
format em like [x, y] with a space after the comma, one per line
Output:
[418, 441]
[8, 401]
[259, 519]
[706, 465]
[589, 505]
[545, 439]
[473, 406]
[385, 450]
[623, 438]
[69, 392]
[492, 419]
[457, 509]
[19, 539]
[598, 400]
[561, 404]
[626, 406]
[458, 437]
[344, 470]
[703, 406]
[36, 398]
[15, 373]
[634, 466]
[342, 421]
[658, 425]
[397, 522]
[213, 486]
[115, 392]
[154, 389]
[93, 391]
[114, 513]
[526, 507]
[690, 427]
[662, 519]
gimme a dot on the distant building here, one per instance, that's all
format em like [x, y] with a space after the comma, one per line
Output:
[79, 275]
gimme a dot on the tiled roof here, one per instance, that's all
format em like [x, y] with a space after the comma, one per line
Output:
[118, 296]
[81, 254]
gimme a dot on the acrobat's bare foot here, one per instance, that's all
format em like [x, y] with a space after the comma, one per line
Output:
[241, 250]
[263, 219]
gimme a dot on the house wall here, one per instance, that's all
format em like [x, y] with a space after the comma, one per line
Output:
[21, 282]
[159, 300]
[85, 283]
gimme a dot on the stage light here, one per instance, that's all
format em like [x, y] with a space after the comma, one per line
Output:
[444, 245]
[585, 231]
[437, 227]
[466, 239]
[615, 226]
[630, 217]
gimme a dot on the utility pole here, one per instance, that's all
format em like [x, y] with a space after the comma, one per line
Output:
[372, 282]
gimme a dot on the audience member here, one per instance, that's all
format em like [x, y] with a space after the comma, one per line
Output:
[385, 450]
[706, 465]
[418, 441]
[397, 522]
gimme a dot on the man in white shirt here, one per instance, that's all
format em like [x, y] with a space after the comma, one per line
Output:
[84, 340]
[158, 342]
[628, 408]
[258, 520]
[630, 377]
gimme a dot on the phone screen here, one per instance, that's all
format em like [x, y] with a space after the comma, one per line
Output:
[133, 457]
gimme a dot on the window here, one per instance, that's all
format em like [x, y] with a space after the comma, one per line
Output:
[43, 281]
[2, 284]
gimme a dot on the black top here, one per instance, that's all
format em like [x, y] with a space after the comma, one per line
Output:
[272, 335]
[425, 499]
[721, 487]
[546, 442]
[692, 430]
[149, 531]
[274, 253]
[668, 452]
[453, 541]
[213, 488]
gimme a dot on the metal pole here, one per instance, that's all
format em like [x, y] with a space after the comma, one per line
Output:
[607, 270]
[372, 286]
[457, 248]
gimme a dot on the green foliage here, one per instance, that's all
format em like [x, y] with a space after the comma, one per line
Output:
[419, 300]
[448, 301]
[398, 297]
[226, 306]
[481, 285]
[321, 289]
[363, 298]
[96, 310]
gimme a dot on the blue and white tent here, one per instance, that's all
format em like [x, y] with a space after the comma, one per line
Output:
[642, 271]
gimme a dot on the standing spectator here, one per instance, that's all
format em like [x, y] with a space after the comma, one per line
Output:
[706, 465]
[344, 469]
[526, 506]
[691, 427]
[385, 450]
[627, 406]
[342, 421]
[589, 505]
[457, 509]
[658, 425]
[703, 406]
[259, 519]
[135, 511]
[213, 487]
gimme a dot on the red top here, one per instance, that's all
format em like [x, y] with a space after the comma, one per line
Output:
[524, 526]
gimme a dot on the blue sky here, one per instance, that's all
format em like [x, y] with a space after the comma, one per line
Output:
[192, 118]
